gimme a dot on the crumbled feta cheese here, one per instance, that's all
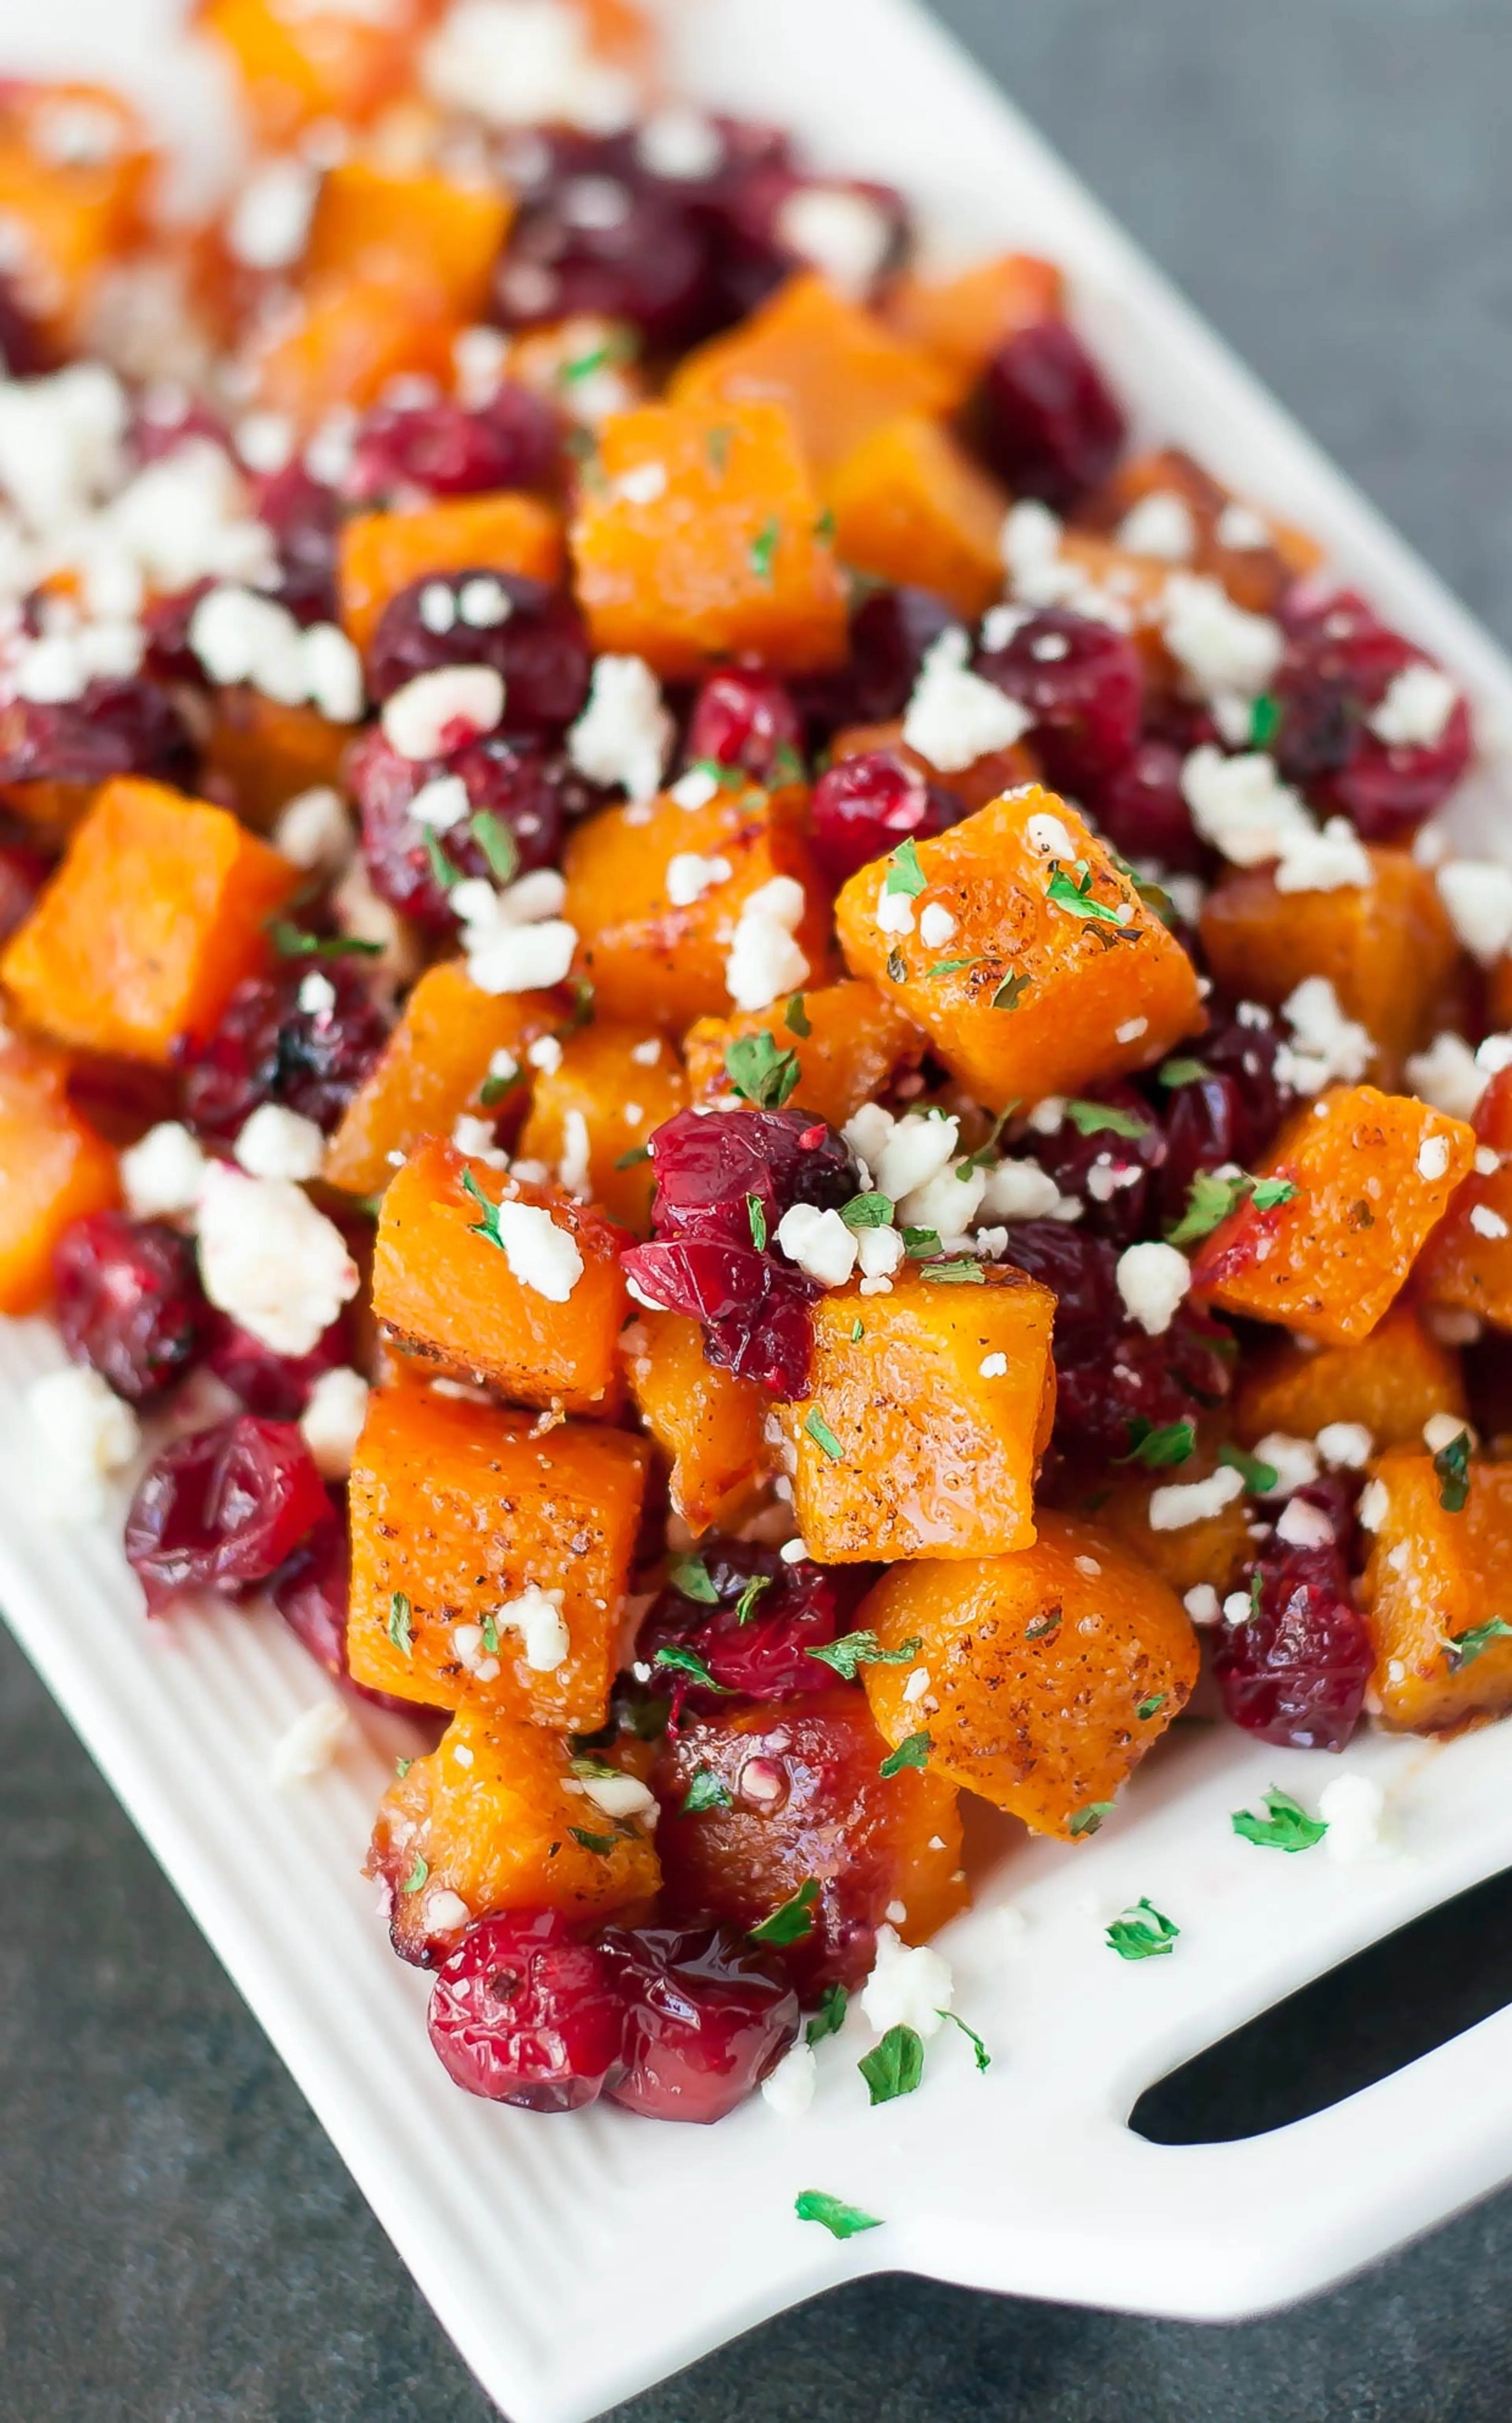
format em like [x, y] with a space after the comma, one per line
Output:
[1294, 1461]
[271, 1261]
[306, 1747]
[695, 789]
[1131, 1030]
[1486, 1222]
[277, 1142]
[789, 2088]
[60, 442]
[315, 831]
[528, 64]
[442, 803]
[619, 1796]
[948, 1203]
[1219, 646]
[936, 924]
[624, 733]
[477, 1138]
[915, 1150]
[1334, 860]
[269, 223]
[161, 1177]
[690, 876]
[824, 1248]
[955, 717]
[1375, 1504]
[764, 960]
[1201, 1602]
[646, 1055]
[881, 1252]
[910, 1987]
[993, 1367]
[1240, 528]
[844, 235]
[1301, 1525]
[1353, 1808]
[1020, 1190]
[680, 143]
[1441, 1430]
[437, 711]
[444, 1911]
[1448, 1075]
[895, 911]
[574, 1169]
[1181, 1503]
[1415, 711]
[536, 1615]
[1160, 524]
[332, 1420]
[867, 1131]
[541, 1256]
[1152, 1280]
[1241, 805]
[544, 1053]
[317, 994]
[1325, 1045]
[515, 941]
[1049, 835]
[644, 483]
[86, 1430]
[1348, 1447]
[483, 603]
[1477, 895]
[1433, 1157]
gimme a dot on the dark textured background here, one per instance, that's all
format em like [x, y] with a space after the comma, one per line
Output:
[1332, 181]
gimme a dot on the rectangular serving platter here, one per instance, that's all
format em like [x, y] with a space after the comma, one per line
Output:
[526, 2235]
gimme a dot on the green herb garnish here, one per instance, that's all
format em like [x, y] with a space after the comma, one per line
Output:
[1182, 1072]
[822, 1436]
[791, 1921]
[686, 1661]
[1451, 1467]
[633, 1159]
[1284, 1826]
[1075, 898]
[979, 2050]
[959, 1271]
[498, 844]
[914, 1752]
[692, 1577]
[291, 944]
[756, 1215]
[745, 1603]
[602, 1844]
[1157, 1447]
[841, 2219]
[854, 1649]
[1462, 1648]
[1087, 1820]
[829, 2018]
[904, 876]
[796, 1017]
[867, 1211]
[764, 549]
[1091, 1118]
[1143, 1933]
[895, 2067]
[760, 1073]
[417, 1875]
[1259, 1477]
[705, 1791]
[487, 1228]
[399, 1623]
[1009, 992]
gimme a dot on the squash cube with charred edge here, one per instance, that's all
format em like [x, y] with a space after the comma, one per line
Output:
[379, 554]
[1437, 1590]
[1049, 1672]
[906, 1446]
[1056, 977]
[592, 1114]
[459, 1510]
[1390, 1383]
[55, 1169]
[709, 1422]
[849, 1040]
[1370, 1175]
[911, 506]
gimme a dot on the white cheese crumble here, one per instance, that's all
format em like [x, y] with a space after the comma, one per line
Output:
[689, 876]
[1477, 898]
[915, 1149]
[993, 1367]
[948, 1203]
[1415, 711]
[824, 1248]
[1049, 836]
[1348, 1447]
[442, 803]
[620, 1796]
[695, 789]
[1020, 1190]
[477, 1138]
[161, 1177]
[1487, 1223]
[1201, 1602]
[267, 1258]
[955, 717]
[844, 235]
[1449, 1075]
[1221, 647]
[437, 711]
[644, 483]
[1240, 527]
[444, 1911]
[528, 64]
[515, 941]
[269, 224]
[789, 2088]
[936, 924]
[332, 1420]
[1181, 1503]
[540, 1254]
[1160, 524]
[314, 830]
[1433, 1157]
[89, 1434]
[536, 1615]
[575, 1171]
[1303, 1524]
[910, 1987]
[1294, 1461]
[317, 994]
[277, 1142]
[1353, 1808]
[306, 1748]
[880, 1252]
[1334, 860]
[680, 143]
[765, 960]
[1375, 1505]
[1152, 1280]
[624, 733]
[1441, 1430]
[894, 910]
[1325, 1045]
[1242, 807]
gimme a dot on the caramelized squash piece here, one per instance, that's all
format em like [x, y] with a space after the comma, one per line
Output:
[850, 1042]
[906, 1444]
[344, 343]
[1051, 1672]
[519, 1285]
[1467, 1260]
[54, 1169]
[459, 1513]
[495, 1820]
[298, 67]
[1439, 1573]
[414, 228]
[593, 1113]
[700, 537]
[710, 1424]
[1255, 575]
[266, 753]
[155, 915]
[1390, 1383]
[69, 210]
[1056, 976]
[379, 554]
[1371, 1174]
[911, 506]
[960, 321]
[1211, 1551]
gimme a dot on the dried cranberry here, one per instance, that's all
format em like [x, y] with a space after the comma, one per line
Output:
[891, 630]
[24, 870]
[1109, 1171]
[755, 1635]
[277, 1385]
[1295, 1671]
[449, 450]
[304, 516]
[1141, 808]
[24, 351]
[526, 2012]
[539, 645]
[1081, 681]
[1049, 420]
[129, 1302]
[125, 727]
[310, 1590]
[746, 720]
[1229, 1115]
[754, 1309]
[863, 806]
[166, 620]
[710, 1164]
[600, 246]
[515, 782]
[706, 2019]
[1339, 664]
[270, 1048]
[222, 1509]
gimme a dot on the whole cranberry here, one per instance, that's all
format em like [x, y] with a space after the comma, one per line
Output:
[532, 636]
[755, 1311]
[1140, 809]
[1296, 1668]
[1108, 1166]
[891, 631]
[526, 2012]
[862, 807]
[1081, 681]
[1229, 1115]
[706, 2019]
[599, 245]
[746, 720]
[304, 516]
[774, 219]
[515, 784]
[116, 726]
[222, 1508]
[310, 1591]
[277, 1385]
[709, 1164]
[282, 1041]
[756, 1631]
[1049, 420]
[129, 1302]
[454, 450]
[1340, 665]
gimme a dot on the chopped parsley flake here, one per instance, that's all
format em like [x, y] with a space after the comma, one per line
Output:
[1462, 1648]
[764, 549]
[487, 1228]
[291, 944]
[632, 1159]
[1451, 1467]
[1144, 1932]
[1152, 1706]
[1075, 898]
[829, 2018]
[602, 1844]
[841, 2219]
[745, 1603]
[498, 844]
[756, 1214]
[1086, 1821]
[1259, 1477]
[822, 1436]
[1265, 720]
[1009, 992]
[442, 870]
[399, 1623]
[791, 1921]
[960, 1272]
[912, 1752]
[796, 1017]
[685, 1662]
[717, 444]
[979, 2050]
[867, 1211]
[760, 1073]
[493, 1089]
[417, 1875]
[854, 1649]
[1091, 1118]
[705, 1791]
[1182, 1071]
[1284, 1826]
[1157, 1447]
[904, 874]
[895, 2067]
[691, 1575]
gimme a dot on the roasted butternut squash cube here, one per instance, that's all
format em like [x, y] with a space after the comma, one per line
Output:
[298, 67]
[1387, 948]
[453, 1044]
[960, 321]
[266, 753]
[155, 915]
[69, 211]
[342, 344]
[1370, 1175]
[809, 1803]
[1390, 1383]
[54, 1169]
[1437, 1579]
[1055, 976]
[1212, 1550]
[1255, 572]
[517, 1285]
[415, 228]
[656, 935]
[1049, 1672]
[497, 1819]
[700, 537]
[928, 1411]
[593, 1111]
[833, 366]
[911, 506]
[1467, 1260]
[380, 554]
[850, 1041]
[709, 1424]
[489, 1560]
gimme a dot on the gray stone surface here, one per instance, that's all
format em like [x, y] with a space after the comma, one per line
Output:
[178, 2243]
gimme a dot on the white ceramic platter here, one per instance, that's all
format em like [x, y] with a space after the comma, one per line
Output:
[540, 2243]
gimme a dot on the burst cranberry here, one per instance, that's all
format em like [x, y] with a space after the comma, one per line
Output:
[310, 1590]
[276, 1386]
[538, 643]
[1140, 809]
[1295, 1671]
[270, 1047]
[1109, 1171]
[128, 726]
[891, 631]
[513, 782]
[511, 441]
[756, 1633]
[1339, 666]
[23, 873]
[1049, 422]
[129, 1302]
[1229, 1115]
[746, 720]
[754, 1309]
[709, 1163]
[1081, 681]
[222, 1509]
[526, 2012]
[599, 245]
[864, 806]
[706, 2019]
[303, 515]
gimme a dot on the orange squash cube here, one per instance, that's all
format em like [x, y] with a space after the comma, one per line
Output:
[462, 1518]
[69, 211]
[1098, 986]
[436, 1065]
[433, 233]
[462, 1278]
[266, 753]
[905, 1445]
[1212, 1551]
[836, 369]
[1436, 1578]
[651, 953]
[1387, 949]
[700, 537]
[155, 915]
[296, 68]
[1467, 1260]
[380, 554]
[592, 1114]
[911, 506]
[850, 1044]
[1049, 1674]
[710, 1424]
[344, 343]
[54, 1169]
[497, 1818]
[960, 321]
[1390, 1383]
[1371, 1175]
[1254, 576]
